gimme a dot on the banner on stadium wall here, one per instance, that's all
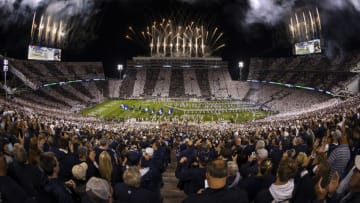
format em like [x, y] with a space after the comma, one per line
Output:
[309, 47]
[44, 53]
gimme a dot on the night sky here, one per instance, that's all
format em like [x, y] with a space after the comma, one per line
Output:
[250, 27]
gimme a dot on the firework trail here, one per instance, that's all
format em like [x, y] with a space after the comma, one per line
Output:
[48, 31]
[178, 40]
[307, 28]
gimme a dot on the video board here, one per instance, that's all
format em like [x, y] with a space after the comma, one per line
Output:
[44, 53]
[308, 47]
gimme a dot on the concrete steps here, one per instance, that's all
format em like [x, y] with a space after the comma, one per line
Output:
[170, 192]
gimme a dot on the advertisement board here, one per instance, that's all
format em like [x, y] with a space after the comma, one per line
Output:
[44, 53]
[309, 47]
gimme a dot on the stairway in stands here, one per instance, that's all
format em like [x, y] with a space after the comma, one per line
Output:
[203, 80]
[150, 82]
[170, 192]
[128, 83]
[177, 88]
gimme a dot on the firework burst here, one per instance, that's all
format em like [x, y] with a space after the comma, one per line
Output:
[48, 31]
[305, 25]
[165, 38]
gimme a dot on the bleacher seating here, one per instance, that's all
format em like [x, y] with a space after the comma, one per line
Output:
[127, 85]
[176, 81]
[191, 85]
[139, 83]
[283, 99]
[39, 72]
[219, 83]
[112, 88]
[312, 71]
[151, 77]
[162, 87]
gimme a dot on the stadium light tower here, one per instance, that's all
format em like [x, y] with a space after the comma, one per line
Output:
[5, 69]
[120, 68]
[241, 66]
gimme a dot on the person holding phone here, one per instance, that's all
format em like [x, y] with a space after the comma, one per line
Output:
[251, 167]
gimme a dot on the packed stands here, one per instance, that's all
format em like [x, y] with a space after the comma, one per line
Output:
[289, 143]
[113, 88]
[140, 82]
[312, 71]
[192, 88]
[40, 73]
[151, 77]
[283, 99]
[127, 85]
[309, 125]
[162, 87]
[177, 80]
[202, 78]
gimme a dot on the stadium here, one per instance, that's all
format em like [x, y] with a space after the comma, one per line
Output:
[179, 108]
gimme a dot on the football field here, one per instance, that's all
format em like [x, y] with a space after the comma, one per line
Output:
[148, 110]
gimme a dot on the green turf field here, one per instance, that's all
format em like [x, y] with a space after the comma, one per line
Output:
[191, 111]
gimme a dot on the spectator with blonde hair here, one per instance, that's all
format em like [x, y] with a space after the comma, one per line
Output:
[105, 166]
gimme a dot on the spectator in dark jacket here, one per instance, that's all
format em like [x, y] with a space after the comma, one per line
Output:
[104, 146]
[130, 191]
[10, 191]
[54, 187]
[301, 145]
[218, 191]
[26, 175]
[275, 154]
[193, 178]
[66, 158]
[261, 181]
[150, 173]
[89, 158]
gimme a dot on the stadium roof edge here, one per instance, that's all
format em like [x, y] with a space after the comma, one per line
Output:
[177, 58]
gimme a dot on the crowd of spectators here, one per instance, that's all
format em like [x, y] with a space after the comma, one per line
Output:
[312, 157]
[313, 71]
[47, 161]
[181, 83]
[40, 72]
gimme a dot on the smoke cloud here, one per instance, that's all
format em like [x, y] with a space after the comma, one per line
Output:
[78, 18]
[20, 11]
[200, 1]
[340, 4]
[269, 12]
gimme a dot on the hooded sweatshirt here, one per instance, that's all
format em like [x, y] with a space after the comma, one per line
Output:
[281, 193]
